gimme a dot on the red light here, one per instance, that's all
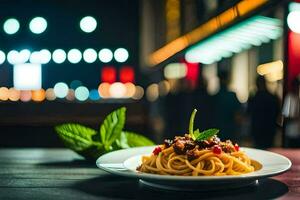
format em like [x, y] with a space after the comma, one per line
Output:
[108, 74]
[127, 74]
[192, 72]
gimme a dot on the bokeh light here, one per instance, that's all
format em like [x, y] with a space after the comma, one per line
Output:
[164, 88]
[293, 19]
[38, 95]
[90, 55]
[13, 94]
[94, 95]
[75, 84]
[117, 90]
[103, 90]
[25, 95]
[38, 25]
[74, 56]
[130, 90]
[4, 93]
[121, 55]
[61, 90]
[88, 24]
[50, 95]
[45, 56]
[152, 92]
[35, 57]
[59, 56]
[105, 55]
[71, 95]
[82, 93]
[13, 57]
[11, 26]
[139, 93]
[24, 55]
[27, 76]
[2, 57]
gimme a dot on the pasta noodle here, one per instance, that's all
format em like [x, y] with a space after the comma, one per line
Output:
[198, 154]
[167, 162]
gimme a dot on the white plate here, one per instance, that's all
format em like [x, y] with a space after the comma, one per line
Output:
[124, 163]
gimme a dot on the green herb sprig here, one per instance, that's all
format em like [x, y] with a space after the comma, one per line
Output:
[197, 135]
[91, 143]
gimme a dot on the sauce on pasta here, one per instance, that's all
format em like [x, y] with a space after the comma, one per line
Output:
[198, 154]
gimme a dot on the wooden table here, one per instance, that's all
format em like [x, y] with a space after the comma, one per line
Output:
[61, 174]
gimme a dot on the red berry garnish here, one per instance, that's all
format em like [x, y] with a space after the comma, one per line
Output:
[217, 149]
[156, 150]
[236, 147]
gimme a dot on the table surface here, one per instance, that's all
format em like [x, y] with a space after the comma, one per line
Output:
[61, 174]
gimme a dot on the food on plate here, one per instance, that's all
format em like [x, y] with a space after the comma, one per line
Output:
[197, 154]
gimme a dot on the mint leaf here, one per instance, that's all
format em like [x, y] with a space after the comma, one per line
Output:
[75, 136]
[121, 142]
[111, 127]
[79, 138]
[137, 140]
[191, 124]
[207, 134]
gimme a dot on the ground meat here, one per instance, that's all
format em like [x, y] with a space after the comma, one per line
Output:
[182, 144]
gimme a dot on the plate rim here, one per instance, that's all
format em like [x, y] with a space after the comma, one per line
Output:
[148, 176]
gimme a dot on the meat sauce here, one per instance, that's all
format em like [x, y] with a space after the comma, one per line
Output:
[187, 146]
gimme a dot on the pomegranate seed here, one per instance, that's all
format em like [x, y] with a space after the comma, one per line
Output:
[236, 147]
[156, 150]
[217, 149]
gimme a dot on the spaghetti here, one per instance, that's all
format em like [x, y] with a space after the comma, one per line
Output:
[197, 154]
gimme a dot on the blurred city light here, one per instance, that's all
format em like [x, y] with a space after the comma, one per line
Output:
[152, 92]
[61, 90]
[89, 55]
[59, 56]
[50, 95]
[270, 67]
[35, 57]
[139, 93]
[24, 55]
[74, 56]
[88, 24]
[75, 84]
[45, 56]
[71, 95]
[130, 90]
[25, 95]
[108, 74]
[175, 70]
[13, 57]
[273, 71]
[105, 55]
[2, 57]
[164, 88]
[117, 90]
[11, 26]
[4, 93]
[252, 32]
[38, 95]
[13, 94]
[293, 19]
[27, 76]
[103, 90]
[121, 55]
[127, 74]
[94, 95]
[38, 25]
[82, 93]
